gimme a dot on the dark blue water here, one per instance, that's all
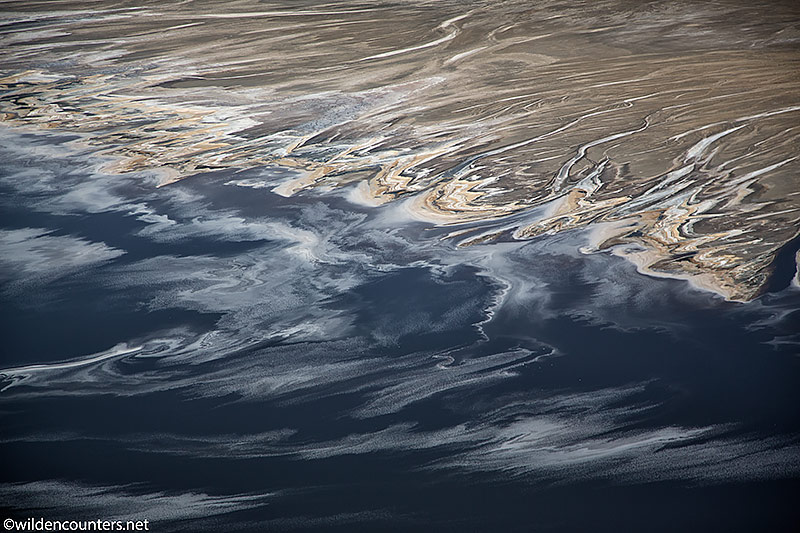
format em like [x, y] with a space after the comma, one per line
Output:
[245, 361]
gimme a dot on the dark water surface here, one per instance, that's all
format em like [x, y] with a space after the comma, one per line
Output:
[301, 363]
[375, 299]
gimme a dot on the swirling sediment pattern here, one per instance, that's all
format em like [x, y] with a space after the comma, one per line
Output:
[671, 130]
[286, 266]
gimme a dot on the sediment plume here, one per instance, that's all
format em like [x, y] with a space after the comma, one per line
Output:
[669, 130]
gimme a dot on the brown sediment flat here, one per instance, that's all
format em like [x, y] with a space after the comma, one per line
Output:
[675, 123]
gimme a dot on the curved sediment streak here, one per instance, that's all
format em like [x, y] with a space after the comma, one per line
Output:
[443, 26]
[16, 374]
[563, 172]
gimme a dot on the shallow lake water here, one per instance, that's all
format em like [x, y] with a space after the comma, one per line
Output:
[403, 266]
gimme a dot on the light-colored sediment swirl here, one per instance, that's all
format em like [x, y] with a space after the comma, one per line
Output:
[670, 129]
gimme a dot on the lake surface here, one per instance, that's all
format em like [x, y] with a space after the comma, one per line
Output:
[405, 266]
